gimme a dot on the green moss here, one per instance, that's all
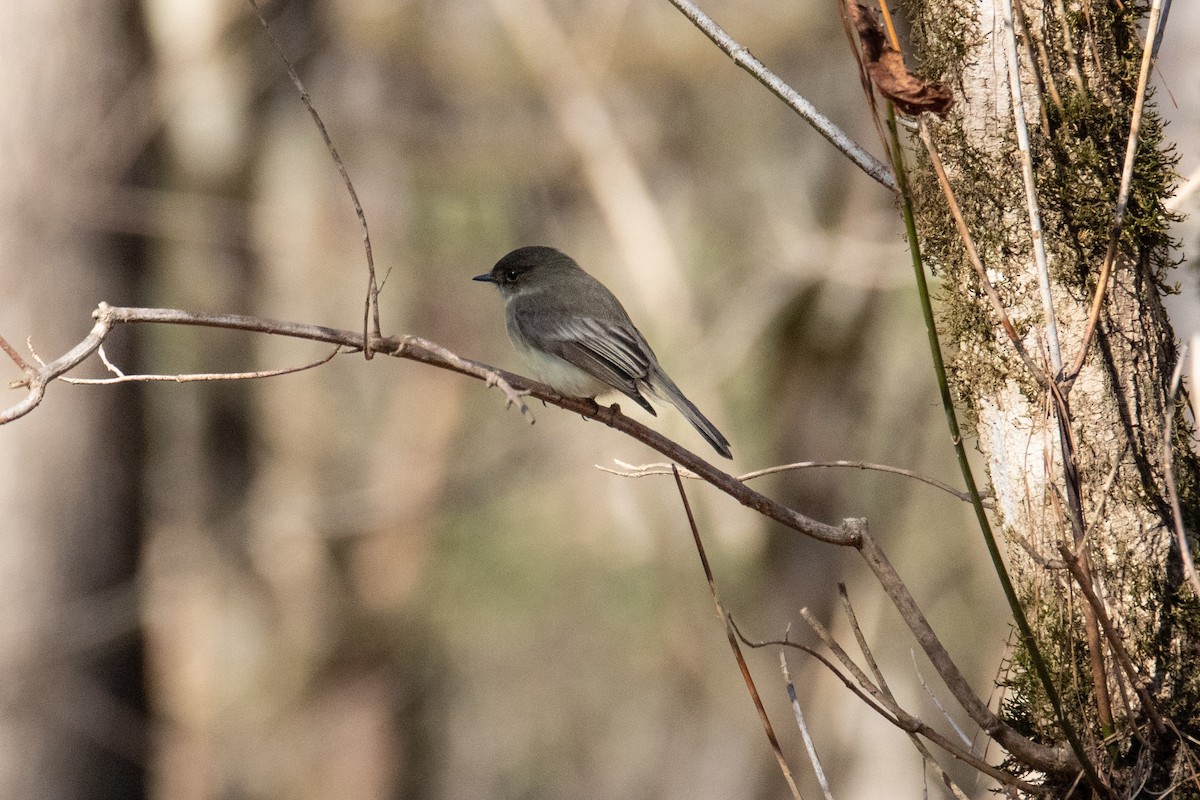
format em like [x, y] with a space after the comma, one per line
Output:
[1078, 156]
[942, 39]
[1078, 153]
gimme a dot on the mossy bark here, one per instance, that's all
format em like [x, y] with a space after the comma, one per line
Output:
[1079, 68]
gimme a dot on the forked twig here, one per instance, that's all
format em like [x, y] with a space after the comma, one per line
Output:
[897, 716]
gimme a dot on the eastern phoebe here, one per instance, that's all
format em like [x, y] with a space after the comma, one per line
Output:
[578, 339]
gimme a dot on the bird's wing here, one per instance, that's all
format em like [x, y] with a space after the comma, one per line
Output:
[615, 354]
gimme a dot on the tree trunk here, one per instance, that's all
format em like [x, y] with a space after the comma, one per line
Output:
[1078, 77]
[73, 722]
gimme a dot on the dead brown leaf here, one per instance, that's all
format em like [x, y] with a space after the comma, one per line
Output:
[885, 65]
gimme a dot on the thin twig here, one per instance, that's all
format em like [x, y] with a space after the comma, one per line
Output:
[13, 354]
[841, 655]
[1044, 71]
[189, 377]
[1025, 35]
[644, 470]
[809, 745]
[962, 735]
[862, 465]
[873, 665]
[1122, 204]
[1074, 496]
[795, 101]
[898, 717]
[964, 234]
[371, 306]
[1083, 581]
[733, 644]
[1185, 549]
[1031, 201]
[1069, 47]
[861, 638]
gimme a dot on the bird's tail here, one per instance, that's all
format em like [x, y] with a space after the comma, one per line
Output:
[665, 388]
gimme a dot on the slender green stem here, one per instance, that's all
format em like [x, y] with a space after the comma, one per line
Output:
[985, 526]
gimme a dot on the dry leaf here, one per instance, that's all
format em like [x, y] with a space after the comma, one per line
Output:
[885, 65]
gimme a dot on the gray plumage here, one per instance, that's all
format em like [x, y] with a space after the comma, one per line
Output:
[578, 338]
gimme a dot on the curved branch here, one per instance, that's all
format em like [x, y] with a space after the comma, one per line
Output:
[371, 306]
[850, 533]
[1057, 759]
[37, 378]
[645, 470]
[415, 348]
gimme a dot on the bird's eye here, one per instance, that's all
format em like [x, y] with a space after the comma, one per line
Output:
[510, 275]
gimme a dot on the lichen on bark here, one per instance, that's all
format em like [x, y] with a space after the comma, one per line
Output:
[1079, 74]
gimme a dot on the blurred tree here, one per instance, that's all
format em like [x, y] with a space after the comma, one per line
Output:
[72, 722]
[363, 581]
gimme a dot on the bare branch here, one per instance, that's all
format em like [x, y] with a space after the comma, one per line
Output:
[794, 100]
[371, 308]
[415, 348]
[808, 742]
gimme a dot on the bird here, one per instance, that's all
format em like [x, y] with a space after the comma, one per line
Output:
[577, 337]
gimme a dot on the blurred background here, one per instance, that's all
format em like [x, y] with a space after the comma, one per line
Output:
[370, 580]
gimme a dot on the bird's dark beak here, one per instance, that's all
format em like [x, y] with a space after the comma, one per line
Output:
[486, 277]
